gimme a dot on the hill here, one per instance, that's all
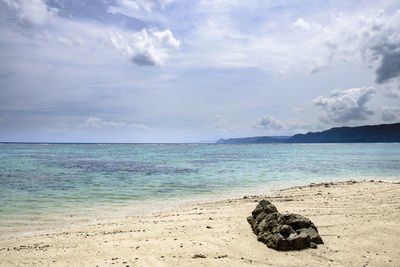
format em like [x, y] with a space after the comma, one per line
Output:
[383, 133]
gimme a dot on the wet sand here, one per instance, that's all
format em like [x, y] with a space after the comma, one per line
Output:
[358, 221]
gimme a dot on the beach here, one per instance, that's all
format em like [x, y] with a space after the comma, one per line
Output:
[199, 133]
[358, 222]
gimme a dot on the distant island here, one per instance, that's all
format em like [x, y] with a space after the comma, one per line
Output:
[383, 133]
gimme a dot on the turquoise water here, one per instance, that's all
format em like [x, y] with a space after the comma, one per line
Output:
[53, 182]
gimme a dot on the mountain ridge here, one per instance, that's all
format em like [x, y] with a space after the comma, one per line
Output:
[381, 133]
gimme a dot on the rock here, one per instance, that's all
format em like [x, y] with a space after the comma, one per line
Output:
[283, 232]
[299, 241]
[197, 256]
[298, 221]
[264, 206]
[312, 233]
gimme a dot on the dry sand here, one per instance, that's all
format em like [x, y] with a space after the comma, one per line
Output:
[359, 223]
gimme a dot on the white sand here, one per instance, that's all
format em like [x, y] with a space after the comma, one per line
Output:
[359, 223]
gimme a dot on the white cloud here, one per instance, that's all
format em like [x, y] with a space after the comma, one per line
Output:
[264, 39]
[146, 47]
[147, 10]
[138, 126]
[373, 37]
[223, 126]
[145, 5]
[319, 65]
[269, 122]
[94, 122]
[301, 24]
[97, 122]
[32, 12]
[220, 123]
[285, 127]
[346, 105]
[360, 37]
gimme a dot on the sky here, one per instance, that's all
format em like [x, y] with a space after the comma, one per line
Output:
[194, 70]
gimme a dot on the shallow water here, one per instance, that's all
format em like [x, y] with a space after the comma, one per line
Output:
[44, 183]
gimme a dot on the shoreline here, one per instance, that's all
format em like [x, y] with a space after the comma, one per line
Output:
[75, 219]
[358, 221]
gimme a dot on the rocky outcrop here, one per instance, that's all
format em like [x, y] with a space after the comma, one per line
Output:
[283, 231]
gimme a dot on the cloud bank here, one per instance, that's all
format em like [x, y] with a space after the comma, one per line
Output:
[89, 65]
[346, 105]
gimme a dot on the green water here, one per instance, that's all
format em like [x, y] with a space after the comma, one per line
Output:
[52, 182]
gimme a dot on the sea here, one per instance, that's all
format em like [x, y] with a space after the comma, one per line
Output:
[50, 186]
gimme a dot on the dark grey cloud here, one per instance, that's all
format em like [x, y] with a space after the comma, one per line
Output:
[381, 41]
[346, 105]
[375, 37]
[143, 59]
[390, 64]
